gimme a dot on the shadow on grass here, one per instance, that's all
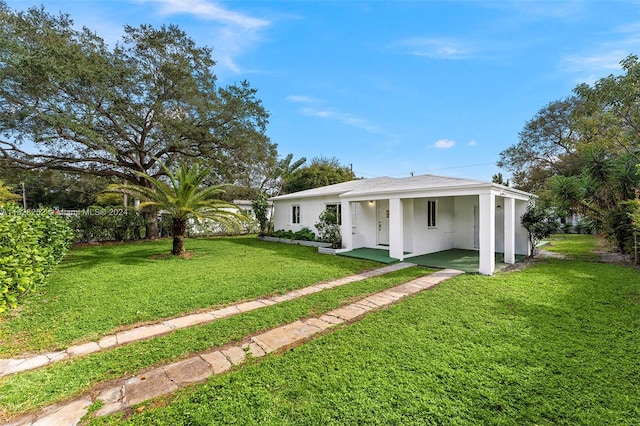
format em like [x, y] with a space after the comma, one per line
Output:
[90, 257]
[293, 251]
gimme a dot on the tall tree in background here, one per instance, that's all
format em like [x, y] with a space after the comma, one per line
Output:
[499, 179]
[322, 171]
[285, 168]
[69, 102]
[608, 116]
[6, 195]
[582, 154]
[55, 188]
[546, 147]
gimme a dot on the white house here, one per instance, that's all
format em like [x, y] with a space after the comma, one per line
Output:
[416, 215]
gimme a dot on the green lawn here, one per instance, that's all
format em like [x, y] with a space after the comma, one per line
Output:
[575, 246]
[44, 386]
[556, 343]
[96, 290]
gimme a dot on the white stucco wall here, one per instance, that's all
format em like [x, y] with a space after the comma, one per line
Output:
[441, 237]
[409, 229]
[364, 225]
[521, 235]
[463, 237]
[310, 210]
[500, 224]
[454, 227]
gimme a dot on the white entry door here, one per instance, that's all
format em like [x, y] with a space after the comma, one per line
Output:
[383, 222]
[476, 227]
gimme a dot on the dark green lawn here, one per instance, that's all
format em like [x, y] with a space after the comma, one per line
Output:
[555, 344]
[96, 290]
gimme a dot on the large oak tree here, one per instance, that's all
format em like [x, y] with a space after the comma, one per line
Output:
[71, 102]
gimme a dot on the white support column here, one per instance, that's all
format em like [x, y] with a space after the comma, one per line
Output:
[487, 207]
[396, 231]
[509, 230]
[345, 229]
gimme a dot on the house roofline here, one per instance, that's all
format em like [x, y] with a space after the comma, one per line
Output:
[504, 190]
[356, 192]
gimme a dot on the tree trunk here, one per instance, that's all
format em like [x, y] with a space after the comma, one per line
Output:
[179, 228]
[151, 228]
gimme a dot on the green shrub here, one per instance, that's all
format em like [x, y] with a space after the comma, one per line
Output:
[566, 228]
[31, 244]
[107, 224]
[260, 206]
[539, 223]
[329, 229]
[305, 234]
[281, 233]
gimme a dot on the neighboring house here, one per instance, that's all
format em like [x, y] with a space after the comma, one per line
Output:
[247, 207]
[416, 215]
[211, 227]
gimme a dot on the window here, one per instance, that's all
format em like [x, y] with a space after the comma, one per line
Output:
[431, 214]
[337, 210]
[295, 214]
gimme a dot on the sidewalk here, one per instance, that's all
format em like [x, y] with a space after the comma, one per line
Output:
[18, 365]
[124, 393]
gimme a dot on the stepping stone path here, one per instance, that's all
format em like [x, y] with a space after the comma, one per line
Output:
[12, 366]
[122, 394]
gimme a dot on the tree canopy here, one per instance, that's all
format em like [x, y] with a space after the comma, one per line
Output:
[321, 172]
[70, 102]
[582, 154]
[6, 195]
[546, 146]
[55, 188]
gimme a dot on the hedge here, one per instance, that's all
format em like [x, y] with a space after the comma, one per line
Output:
[107, 224]
[31, 244]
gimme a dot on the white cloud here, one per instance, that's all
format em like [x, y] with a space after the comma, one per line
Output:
[537, 10]
[604, 58]
[444, 144]
[300, 99]
[236, 34]
[312, 107]
[607, 61]
[344, 118]
[209, 10]
[472, 142]
[437, 48]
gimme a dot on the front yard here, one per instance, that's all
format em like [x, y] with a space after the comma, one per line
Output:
[554, 343]
[99, 289]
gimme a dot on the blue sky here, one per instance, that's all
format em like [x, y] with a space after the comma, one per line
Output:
[393, 87]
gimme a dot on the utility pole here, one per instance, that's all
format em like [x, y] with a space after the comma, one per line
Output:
[24, 197]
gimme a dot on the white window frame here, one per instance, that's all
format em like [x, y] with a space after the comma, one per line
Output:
[296, 219]
[338, 207]
[432, 213]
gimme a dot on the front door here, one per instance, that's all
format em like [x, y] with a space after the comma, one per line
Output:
[476, 227]
[383, 222]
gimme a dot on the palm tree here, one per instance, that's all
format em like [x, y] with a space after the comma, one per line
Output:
[185, 198]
